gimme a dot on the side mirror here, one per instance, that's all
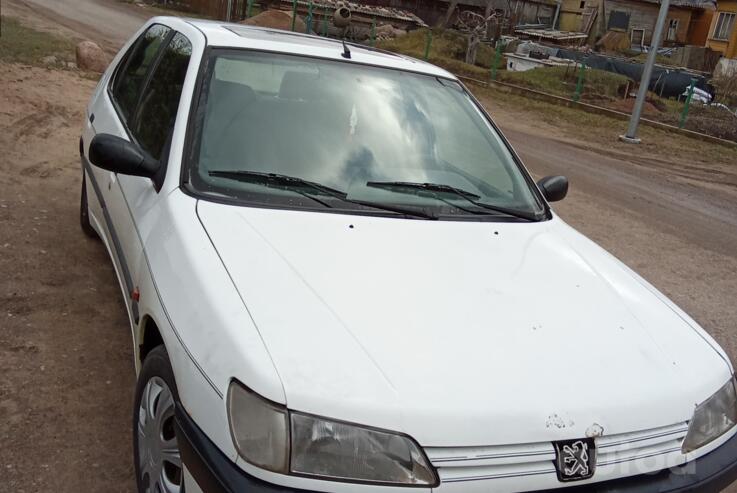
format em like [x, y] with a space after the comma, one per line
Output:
[120, 156]
[554, 188]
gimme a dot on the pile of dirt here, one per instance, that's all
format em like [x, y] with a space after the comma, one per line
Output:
[276, 19]
[626, 106]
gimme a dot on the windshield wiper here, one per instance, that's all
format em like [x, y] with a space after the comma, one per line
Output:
[433, 188]
[293, 183]
[275, 180]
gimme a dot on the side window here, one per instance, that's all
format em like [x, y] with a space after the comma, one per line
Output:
[160, 98]
[132, 73]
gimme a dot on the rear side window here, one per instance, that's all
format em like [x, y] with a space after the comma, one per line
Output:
[160, 99]
[132, 75]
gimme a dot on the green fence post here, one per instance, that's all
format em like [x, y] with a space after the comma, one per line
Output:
[249, 9]
[428, 44]
[325, 21]
[497, 57]
[372, 37]
[294, 13]
[684, 114]
[308, 28]
[579, 84]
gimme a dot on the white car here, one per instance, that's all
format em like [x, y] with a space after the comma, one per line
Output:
[341, 278]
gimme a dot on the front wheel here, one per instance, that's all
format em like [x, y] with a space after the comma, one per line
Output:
[156, 451]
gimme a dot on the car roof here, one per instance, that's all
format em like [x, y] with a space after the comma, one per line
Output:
[230, 35]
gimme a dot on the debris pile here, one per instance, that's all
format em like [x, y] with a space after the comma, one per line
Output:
[614, 42]
[365, 13]
[387, 31]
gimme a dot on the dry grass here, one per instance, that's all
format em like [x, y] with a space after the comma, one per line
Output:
[561, 81]
[447, 50]
[600, 132]
[710, 120]
[21, 44]
[726, 90]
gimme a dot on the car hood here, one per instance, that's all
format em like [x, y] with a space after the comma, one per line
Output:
[461, 333]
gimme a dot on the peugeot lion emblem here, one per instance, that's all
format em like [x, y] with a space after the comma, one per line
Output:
[575, 459]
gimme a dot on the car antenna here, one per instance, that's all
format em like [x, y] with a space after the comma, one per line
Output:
[346, 51]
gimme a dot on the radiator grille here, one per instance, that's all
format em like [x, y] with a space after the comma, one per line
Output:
[509, 461]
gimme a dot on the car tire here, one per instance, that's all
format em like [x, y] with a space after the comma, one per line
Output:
[156, 454]
[84, 212]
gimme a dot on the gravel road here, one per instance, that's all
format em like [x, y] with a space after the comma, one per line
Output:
[66, 370]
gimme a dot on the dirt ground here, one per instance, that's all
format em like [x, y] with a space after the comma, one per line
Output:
[66, 366]
[66, 369]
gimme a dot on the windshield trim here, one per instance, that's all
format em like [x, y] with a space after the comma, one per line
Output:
[191, 145]
[187, 189]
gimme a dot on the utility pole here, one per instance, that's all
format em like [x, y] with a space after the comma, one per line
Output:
[631, 136]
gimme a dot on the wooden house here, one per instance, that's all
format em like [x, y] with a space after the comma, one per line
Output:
[687, 23]
[723, 29]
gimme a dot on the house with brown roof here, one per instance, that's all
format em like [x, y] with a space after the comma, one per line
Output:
[723, 29]
[687, 23]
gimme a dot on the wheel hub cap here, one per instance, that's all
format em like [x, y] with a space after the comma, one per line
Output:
[160, 464]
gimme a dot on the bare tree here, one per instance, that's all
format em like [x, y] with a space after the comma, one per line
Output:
[475, 26]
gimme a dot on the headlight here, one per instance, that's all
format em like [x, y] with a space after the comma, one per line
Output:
[712, 418]
[322, 448]
[259, 429]
[343, 451]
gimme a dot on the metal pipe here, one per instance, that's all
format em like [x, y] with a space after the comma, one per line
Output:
[294, 14]
[647, 72]
[428, 43]
[308, 19]
[579, 83]
[497, 57]
[557, 13]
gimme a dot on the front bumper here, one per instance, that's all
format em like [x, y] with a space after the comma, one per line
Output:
[215, 473]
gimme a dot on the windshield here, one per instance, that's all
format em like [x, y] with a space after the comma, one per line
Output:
[377, 136]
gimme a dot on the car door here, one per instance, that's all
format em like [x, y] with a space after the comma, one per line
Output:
[140, 104]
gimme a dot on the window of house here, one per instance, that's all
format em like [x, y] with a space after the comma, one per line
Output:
[582, 4]
[724, 25]
[672, 33]
[618, 20]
